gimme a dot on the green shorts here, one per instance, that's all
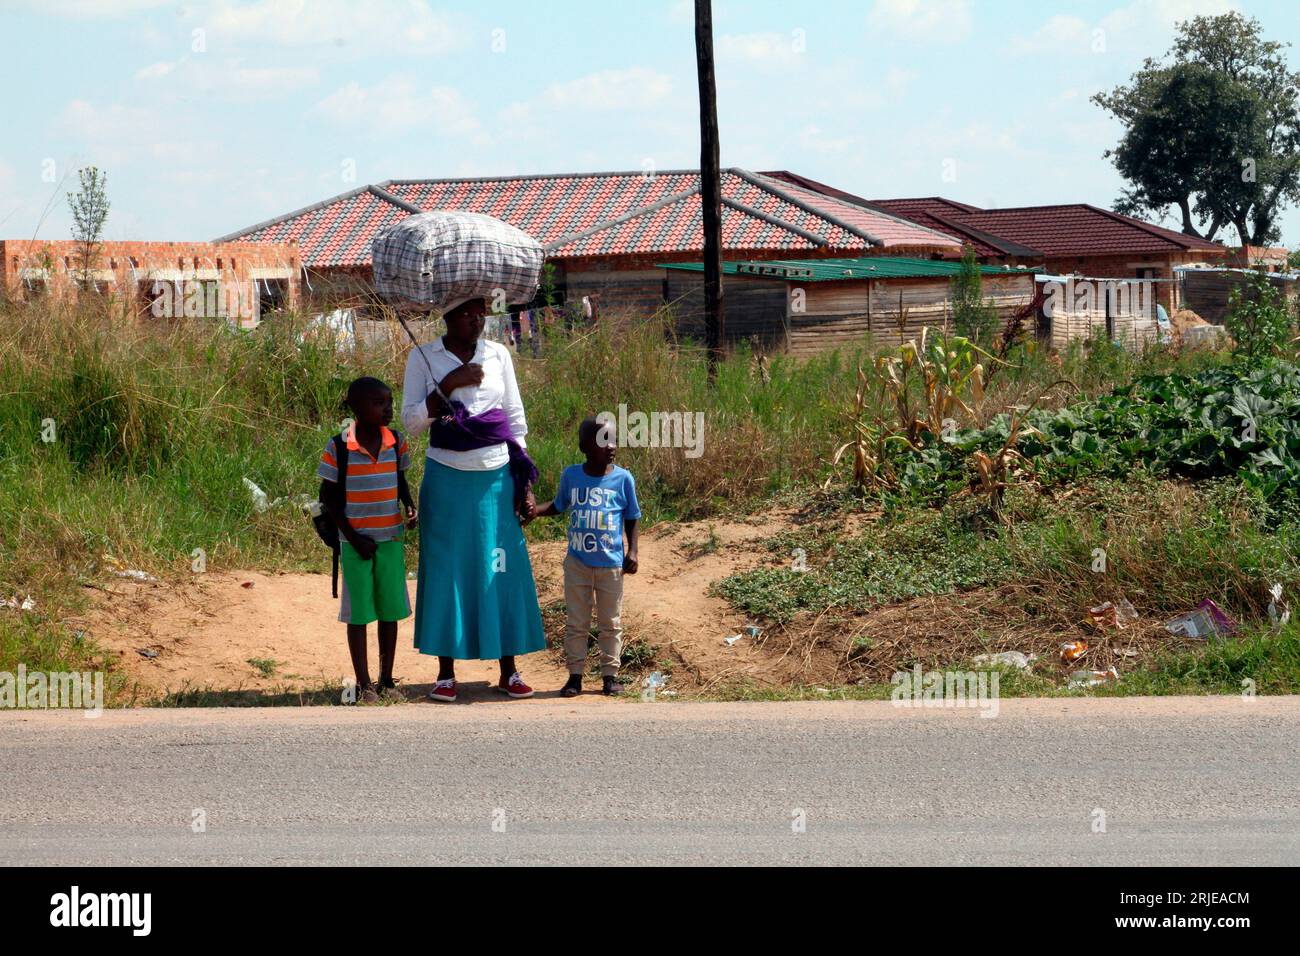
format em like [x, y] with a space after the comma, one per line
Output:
[374, 590]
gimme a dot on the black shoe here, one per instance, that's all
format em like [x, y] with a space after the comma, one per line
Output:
[612, 686]
[573, 687]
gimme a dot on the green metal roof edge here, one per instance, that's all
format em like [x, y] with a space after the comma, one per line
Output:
[871, 267]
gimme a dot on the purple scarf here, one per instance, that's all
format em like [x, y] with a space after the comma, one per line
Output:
[461, 431]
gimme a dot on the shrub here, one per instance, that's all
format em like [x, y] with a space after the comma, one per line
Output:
[1258, 318]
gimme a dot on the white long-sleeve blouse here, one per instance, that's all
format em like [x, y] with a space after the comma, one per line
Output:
[499, 389]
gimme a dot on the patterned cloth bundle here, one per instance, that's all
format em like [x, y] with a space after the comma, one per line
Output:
[439, 259]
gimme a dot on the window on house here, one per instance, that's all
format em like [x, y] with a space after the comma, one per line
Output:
[155, 299]
[272, 296]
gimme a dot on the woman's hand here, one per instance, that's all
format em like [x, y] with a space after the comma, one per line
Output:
[412, 517]
[469, 375]
[528, 510]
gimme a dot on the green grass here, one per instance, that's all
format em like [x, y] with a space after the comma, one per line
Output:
[1259, 662]
[1166, 546]
[158, 423]
[265, 666]
[912, 553]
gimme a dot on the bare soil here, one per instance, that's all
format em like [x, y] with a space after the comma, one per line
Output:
[203, 634]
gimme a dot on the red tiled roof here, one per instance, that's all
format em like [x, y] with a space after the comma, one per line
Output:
[941, 214]
[338, 231]
[1075, 229]
[928, 205]
[1082, 230]
[604, 214]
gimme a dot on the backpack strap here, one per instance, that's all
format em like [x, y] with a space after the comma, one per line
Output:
[341, 457]
[403, 489]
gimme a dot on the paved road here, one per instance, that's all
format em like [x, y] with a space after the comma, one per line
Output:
[1180, 781]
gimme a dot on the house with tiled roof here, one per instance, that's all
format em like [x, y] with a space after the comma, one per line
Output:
[1073, 238]
[606, 232]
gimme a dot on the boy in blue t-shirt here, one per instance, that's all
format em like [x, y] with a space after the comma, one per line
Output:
[600, 498]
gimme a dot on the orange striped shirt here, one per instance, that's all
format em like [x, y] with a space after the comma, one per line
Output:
[372, 505]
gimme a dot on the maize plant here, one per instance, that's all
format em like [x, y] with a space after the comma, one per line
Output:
[872, 437]
[995, 473]
[930, 379]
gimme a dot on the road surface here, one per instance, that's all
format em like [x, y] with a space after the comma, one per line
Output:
[1170, 781]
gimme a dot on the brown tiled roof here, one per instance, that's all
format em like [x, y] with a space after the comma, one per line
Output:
[604, 214]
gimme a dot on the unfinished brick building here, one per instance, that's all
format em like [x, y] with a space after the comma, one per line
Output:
[239, 281]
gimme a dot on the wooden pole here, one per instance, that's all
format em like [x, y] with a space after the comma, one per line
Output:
[710, 184]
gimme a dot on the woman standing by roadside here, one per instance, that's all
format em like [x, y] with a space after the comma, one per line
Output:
[475, 597]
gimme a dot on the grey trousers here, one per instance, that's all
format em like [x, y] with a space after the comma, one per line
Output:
[586, 588]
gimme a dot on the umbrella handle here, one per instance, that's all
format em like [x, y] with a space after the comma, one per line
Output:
[432, 376]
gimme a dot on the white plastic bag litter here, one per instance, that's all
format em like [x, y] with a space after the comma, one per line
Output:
[439, 259]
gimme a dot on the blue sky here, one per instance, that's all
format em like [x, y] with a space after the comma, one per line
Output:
[212, 115]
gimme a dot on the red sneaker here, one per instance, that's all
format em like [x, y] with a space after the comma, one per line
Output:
[444, 692]
[515, 687]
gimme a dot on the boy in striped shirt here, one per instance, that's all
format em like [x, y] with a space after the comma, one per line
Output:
[371, 523]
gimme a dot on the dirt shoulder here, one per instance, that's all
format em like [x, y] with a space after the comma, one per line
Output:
[243, 631]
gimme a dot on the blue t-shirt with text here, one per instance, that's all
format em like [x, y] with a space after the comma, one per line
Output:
[597, 508]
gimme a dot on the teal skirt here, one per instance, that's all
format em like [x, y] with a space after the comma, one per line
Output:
[475, 598]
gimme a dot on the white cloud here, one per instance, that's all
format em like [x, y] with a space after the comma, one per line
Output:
[94, 8]
[116, 124]
[814, 139]
[398, 105]
[1144, 20]
[897, 79]
[765, 50]
[681, 12]
[384, 26]
[1061, 34]
[228, 78]
[930, 21]
[268, 79]
[1145, 26]
[637, 88]
[118, 137]
[154, 71]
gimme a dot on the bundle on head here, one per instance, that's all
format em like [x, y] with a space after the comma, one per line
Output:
[439, 259]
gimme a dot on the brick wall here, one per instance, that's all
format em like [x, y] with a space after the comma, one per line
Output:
[1126, 266]
[248, 275]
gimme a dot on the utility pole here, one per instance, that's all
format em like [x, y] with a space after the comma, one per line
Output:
[710, 184]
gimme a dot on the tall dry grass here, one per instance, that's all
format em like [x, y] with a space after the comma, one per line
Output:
[156, 424]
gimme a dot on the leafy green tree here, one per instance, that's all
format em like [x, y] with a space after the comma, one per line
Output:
[1212, 130]
[89, 211]
[1293, 261]
[1259, 318]
[972, 316]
